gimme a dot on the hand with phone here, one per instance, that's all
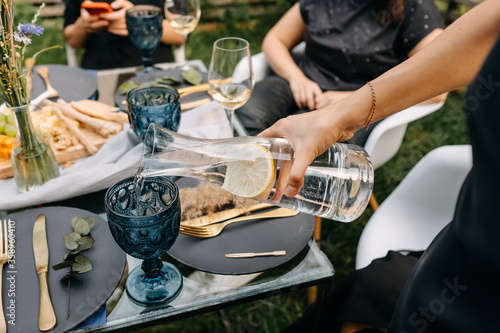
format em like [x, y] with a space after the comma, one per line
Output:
[96, 8]
[116, 19]
[90, 20]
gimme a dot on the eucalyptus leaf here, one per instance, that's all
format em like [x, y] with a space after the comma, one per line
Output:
[126, 86]
[170, 80]
[82, 227]
[71, 240]
[192, 76]
[82, 264]
[62, 265]
[70, 256]
[67, 276]
[74, 220]
[91, 221]
[85, 243]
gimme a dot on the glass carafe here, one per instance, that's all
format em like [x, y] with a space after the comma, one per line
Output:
[337, 185]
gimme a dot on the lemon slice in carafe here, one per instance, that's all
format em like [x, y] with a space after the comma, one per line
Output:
[250, 171]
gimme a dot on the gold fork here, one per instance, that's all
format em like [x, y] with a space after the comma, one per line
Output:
[4, 257]
[215, 229]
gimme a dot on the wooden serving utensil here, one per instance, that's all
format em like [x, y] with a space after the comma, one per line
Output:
[253, 254]
[43, 71]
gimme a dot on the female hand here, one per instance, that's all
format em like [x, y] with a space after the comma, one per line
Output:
[117, 23]
[310, 134]
[305, 92]
[330, 97]
[91, 24]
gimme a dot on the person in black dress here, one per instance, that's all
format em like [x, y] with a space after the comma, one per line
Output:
[454, 285]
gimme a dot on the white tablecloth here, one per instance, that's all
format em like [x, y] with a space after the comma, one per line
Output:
[117, 159]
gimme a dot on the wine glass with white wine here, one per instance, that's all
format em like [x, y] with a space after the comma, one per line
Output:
[183, 16]
[231, 92]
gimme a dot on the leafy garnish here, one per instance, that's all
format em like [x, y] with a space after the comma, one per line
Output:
[126, 86]
[170, 80]
[192, 76]
[77, 241]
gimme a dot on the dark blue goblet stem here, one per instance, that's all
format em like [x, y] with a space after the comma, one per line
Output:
[152, 267]
[147, 59]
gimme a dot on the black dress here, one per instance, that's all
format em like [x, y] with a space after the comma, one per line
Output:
[106, 50]
[455, 287]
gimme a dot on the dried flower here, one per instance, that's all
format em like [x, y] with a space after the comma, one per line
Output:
[12, 49]
[24, 31]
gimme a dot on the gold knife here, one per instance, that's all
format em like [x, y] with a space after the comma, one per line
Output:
[46, 315]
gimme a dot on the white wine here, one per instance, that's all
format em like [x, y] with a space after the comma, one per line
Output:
[231, 96]
[184, 24]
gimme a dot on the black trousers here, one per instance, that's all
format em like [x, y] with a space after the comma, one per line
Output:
[367, 296]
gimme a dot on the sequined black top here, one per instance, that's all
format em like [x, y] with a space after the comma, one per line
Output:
[346, 46]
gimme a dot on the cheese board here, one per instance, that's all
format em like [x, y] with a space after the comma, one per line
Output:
[72, 137]
[62, 156]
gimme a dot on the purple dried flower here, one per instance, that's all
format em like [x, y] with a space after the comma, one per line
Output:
[24, 31]
[30, 29]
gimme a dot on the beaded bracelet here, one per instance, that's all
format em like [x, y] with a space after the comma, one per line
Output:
[374, 103]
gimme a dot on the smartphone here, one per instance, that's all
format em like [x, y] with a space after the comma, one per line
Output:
[96, 8]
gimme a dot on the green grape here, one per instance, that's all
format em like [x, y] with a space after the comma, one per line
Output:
[11, 119]
[2, 126]
[10, 130]
[2, 117]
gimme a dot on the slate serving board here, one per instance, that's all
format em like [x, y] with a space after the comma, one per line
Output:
[208, 254]
[89, 291]
[72, 83]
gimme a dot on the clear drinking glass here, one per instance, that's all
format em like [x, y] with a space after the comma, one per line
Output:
[231, 92]
[145, 28]
[183, 16]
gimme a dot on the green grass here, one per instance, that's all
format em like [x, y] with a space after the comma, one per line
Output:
[339, 240]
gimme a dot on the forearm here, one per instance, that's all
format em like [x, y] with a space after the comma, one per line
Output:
[282, 37]
[280, 59]
[75, 35]
[169, 36]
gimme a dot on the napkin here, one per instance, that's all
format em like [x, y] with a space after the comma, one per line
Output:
[117, 159]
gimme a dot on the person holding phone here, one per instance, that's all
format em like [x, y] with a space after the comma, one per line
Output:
[102, 32]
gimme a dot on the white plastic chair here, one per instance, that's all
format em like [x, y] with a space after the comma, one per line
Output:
[71, 56]
[421, 206]
[386, 138]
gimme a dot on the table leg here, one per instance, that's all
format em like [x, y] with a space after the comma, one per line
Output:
[322, 306]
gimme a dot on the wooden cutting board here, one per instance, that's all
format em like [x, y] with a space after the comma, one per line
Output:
[62, 156]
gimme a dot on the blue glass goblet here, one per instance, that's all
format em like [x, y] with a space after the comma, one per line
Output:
[156, 103]
[145, 27]
[145, 224]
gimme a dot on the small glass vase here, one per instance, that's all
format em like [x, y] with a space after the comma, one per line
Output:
[33, 161]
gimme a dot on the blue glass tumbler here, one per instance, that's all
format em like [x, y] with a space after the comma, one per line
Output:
[145, 224]
[153, 104]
